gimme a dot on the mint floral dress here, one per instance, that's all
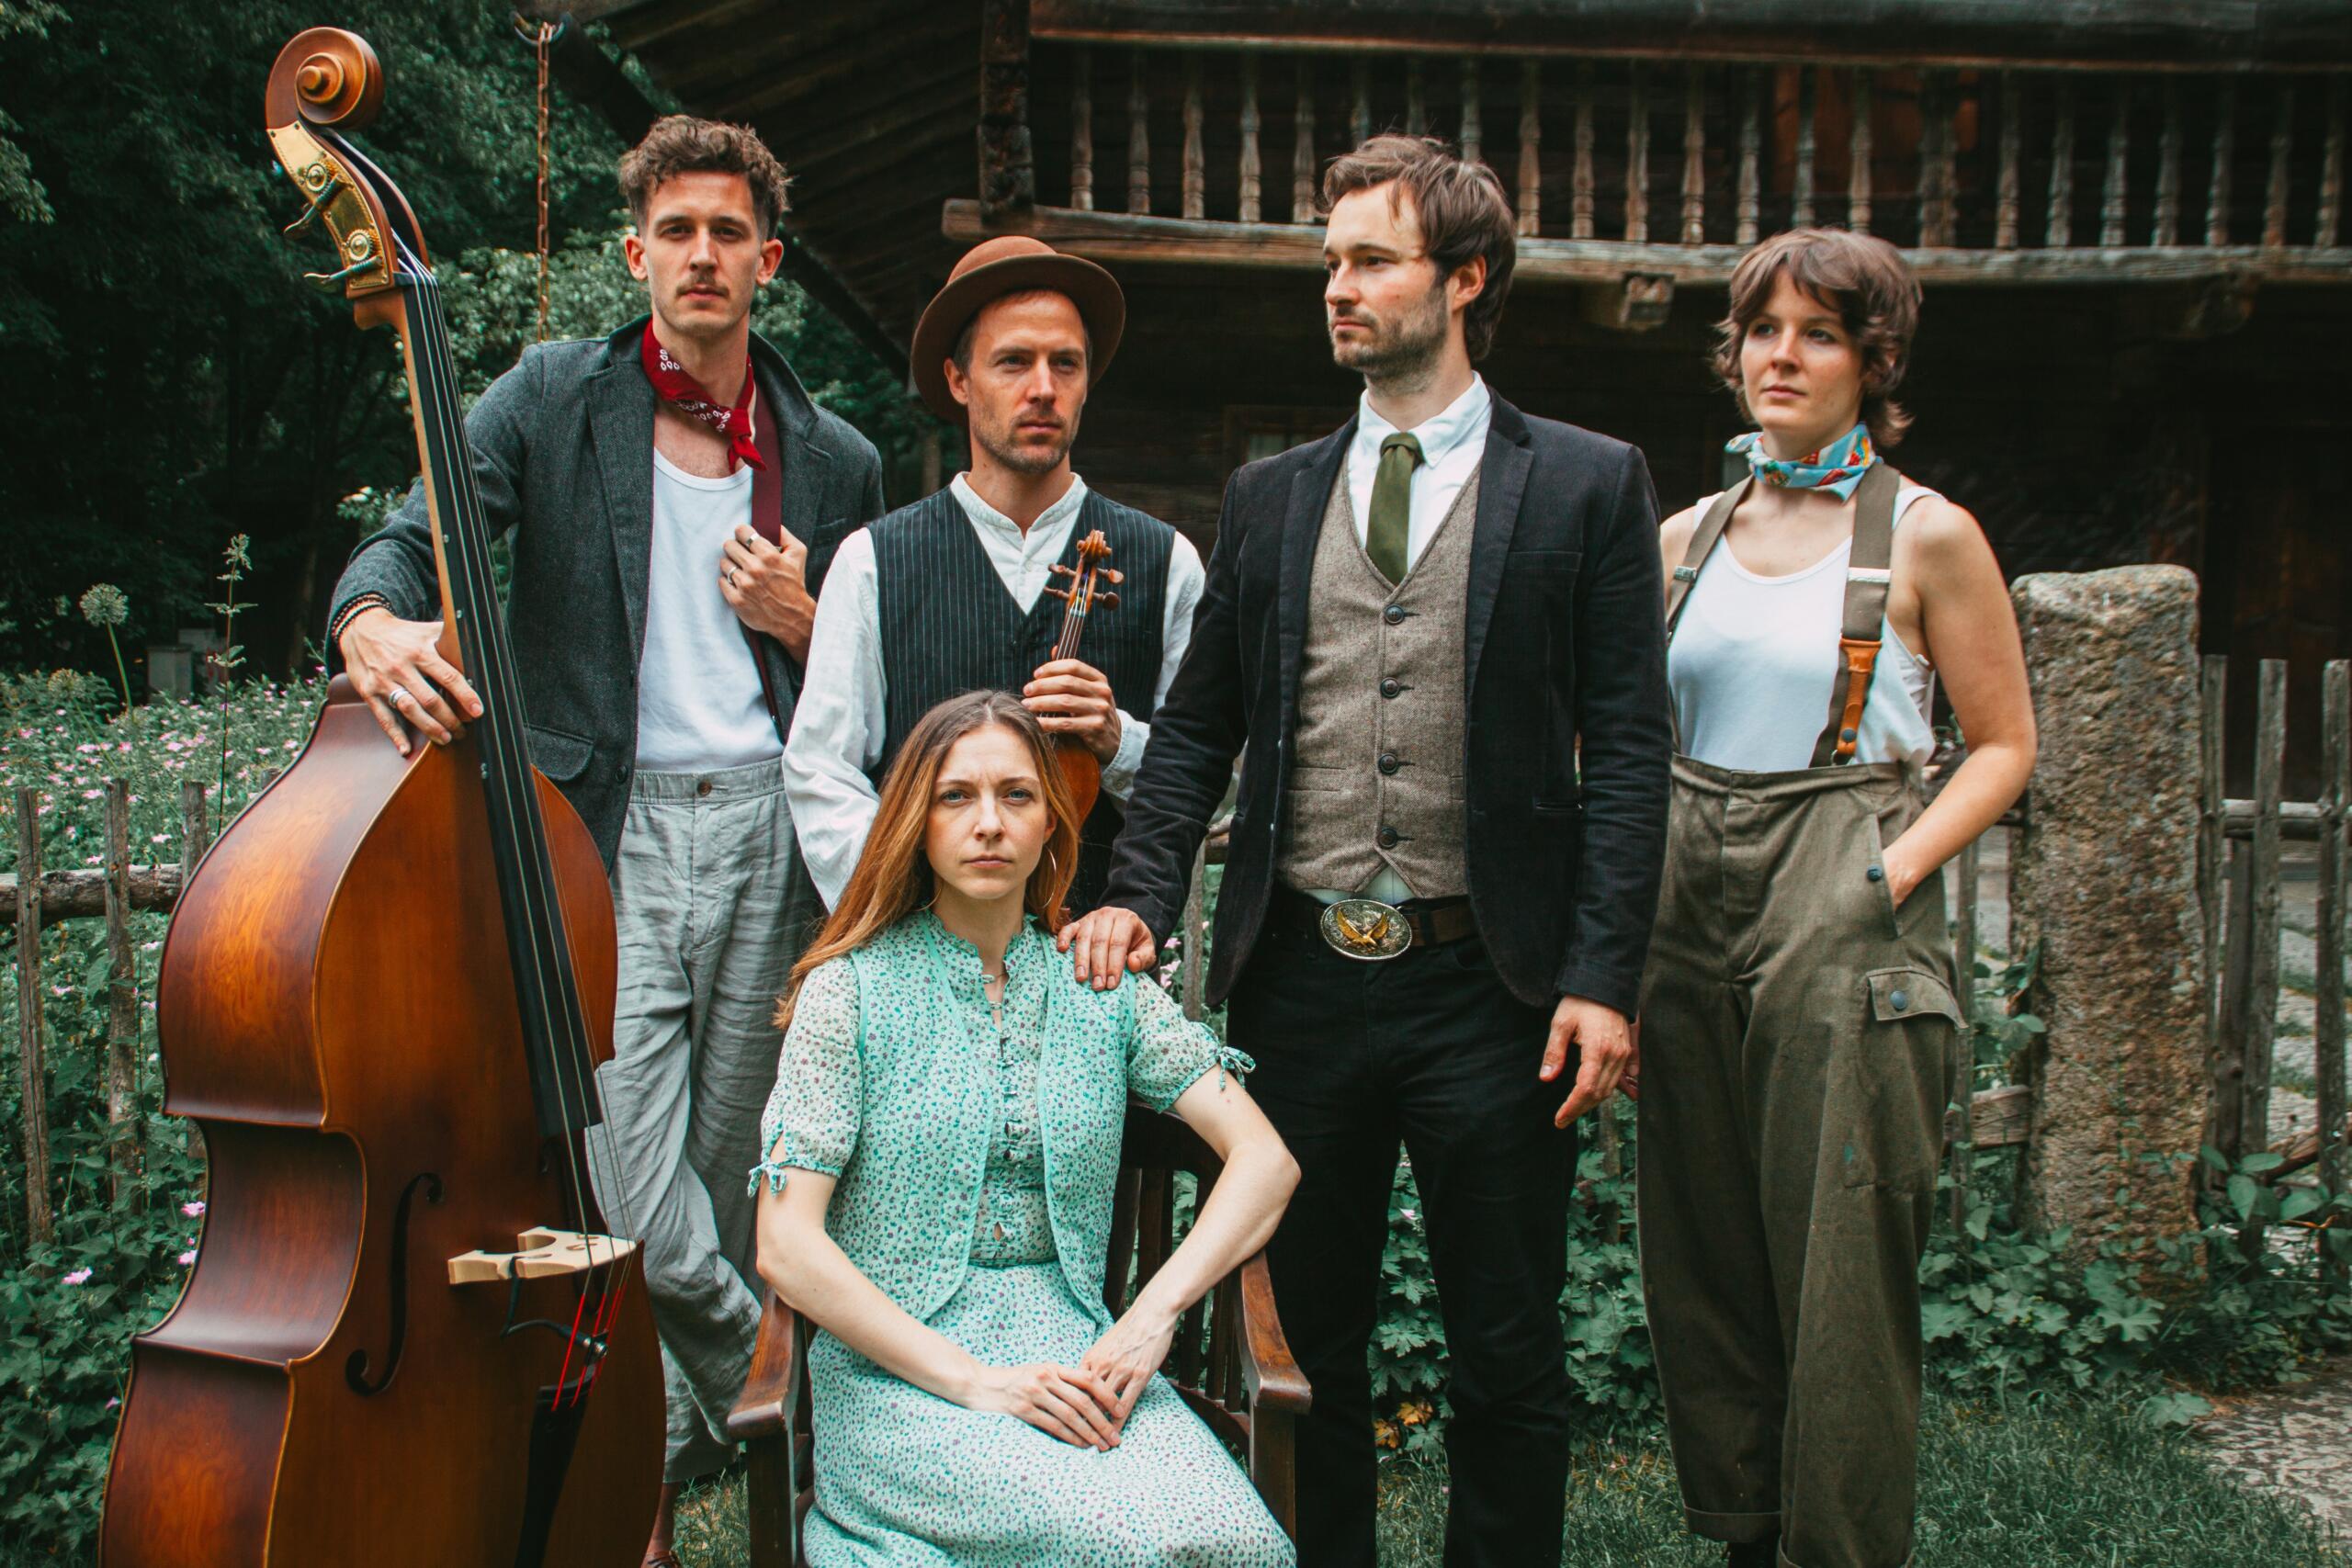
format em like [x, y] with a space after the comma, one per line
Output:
[975, 1156]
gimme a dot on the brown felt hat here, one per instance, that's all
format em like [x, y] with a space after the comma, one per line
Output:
[1010, 264]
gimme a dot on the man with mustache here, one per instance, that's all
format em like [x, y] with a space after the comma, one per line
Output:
[947, 595]
[1438, 632]
[674, 495]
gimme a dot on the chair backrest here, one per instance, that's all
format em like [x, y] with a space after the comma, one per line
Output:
[1204, 1359]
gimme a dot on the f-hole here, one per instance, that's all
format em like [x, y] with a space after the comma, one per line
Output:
[354, 1371]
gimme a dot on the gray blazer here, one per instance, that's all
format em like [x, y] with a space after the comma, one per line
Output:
[563, 453]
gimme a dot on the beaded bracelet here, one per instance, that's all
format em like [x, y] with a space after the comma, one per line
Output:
[350, 613]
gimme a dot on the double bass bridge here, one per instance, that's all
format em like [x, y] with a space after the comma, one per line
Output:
[540, 1254]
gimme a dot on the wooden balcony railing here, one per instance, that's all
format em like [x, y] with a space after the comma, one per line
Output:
[1671, 168]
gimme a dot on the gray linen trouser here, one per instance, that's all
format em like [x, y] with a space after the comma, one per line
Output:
[708, 932]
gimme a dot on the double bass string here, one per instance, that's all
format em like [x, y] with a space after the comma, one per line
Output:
[554, 987]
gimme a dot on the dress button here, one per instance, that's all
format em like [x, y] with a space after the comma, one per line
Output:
[702, 786]
[1391, 686]
[1900, 999]
[1394, 614]
[1388, 762]
[1876, 873]
[1389, 837]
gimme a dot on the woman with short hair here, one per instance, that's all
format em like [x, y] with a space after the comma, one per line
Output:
[942, 1146]
[1798, 1015]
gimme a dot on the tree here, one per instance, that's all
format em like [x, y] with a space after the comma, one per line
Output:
[176, 383]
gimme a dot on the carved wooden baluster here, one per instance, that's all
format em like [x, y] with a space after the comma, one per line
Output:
[1081, 132]
[1858, 154]
[1530, 141]
[1473, 136]
[2166, 231]
[2225, 146]
[1947, 165]
[1249, 169]
[2112, 193]
[1417, 109]
[1933, 128]
[2282, 150]
[2331, 168]
[1638, 156]
[2005, 215]
[1196, 171]
[1302, 155]
[1581, 186]
[1695, 157]
[1801, 210]
[1359, 96]
[1750, 142]
[1138, 137]
[2059, 230]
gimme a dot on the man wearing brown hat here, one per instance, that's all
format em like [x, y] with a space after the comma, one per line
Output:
[947, 595]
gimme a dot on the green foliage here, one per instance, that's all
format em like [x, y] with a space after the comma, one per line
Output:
[185, 385]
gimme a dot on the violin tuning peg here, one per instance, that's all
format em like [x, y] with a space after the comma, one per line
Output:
[1106, 601]
[1061, 570]
[1110, 574]
[1061, 594]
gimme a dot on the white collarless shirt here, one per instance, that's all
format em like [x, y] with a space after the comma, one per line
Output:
[1453, 441]
[839, 723]
[700, 706]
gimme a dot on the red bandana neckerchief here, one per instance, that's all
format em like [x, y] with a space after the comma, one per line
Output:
[686, 394]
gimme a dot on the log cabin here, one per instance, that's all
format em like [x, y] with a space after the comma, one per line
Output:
[2127, 216]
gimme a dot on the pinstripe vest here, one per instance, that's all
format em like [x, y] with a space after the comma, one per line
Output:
[949, 627]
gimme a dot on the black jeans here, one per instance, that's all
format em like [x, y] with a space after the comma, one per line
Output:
[1431, 1049]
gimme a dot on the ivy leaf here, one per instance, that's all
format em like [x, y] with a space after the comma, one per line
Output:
[2243, 1195]
[2299, 1202]
[2175, 1409]
[2262, 1161]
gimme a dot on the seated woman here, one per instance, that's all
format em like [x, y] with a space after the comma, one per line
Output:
[942, 1143]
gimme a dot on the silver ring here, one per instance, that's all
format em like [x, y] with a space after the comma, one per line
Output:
[397, 693]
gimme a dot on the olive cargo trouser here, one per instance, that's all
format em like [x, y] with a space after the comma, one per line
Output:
[1796, 1037]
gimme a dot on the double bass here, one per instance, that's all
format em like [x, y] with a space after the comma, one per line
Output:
[410, 1336]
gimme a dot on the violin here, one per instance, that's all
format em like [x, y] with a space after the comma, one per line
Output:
[409, 1335]
[1081, 594]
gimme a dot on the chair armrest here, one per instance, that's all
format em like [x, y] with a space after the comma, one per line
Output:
[773, 1386]
[1268, 1371]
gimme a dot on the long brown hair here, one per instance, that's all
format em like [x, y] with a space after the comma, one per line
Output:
[894, 878]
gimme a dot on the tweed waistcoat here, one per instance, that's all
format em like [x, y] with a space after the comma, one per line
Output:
[1375, 778]
[948, 627]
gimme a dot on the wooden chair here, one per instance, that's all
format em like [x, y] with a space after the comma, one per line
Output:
[1228, 1359]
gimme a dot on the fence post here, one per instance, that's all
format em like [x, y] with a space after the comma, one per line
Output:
[2327, 1029]
[1963, 1056]
[2103, 877]
[196, 837]
[38, 1227]
[122, 997]
[2214, 885]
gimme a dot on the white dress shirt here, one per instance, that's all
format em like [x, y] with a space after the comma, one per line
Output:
[839, 724]
[1453, 441]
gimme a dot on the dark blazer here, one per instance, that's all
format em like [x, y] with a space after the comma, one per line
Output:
[563, 452]
[1566, 656]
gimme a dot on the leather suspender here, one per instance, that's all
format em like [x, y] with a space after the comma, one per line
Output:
[1868, 574]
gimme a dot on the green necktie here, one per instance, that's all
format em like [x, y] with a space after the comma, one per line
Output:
[1392, 505]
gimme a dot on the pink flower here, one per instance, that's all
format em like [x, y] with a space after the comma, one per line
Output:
[112, 1402]
[79, 1277]
[192, 1210]
[187, 1258]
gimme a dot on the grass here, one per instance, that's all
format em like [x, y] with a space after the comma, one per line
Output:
[2049, 1483]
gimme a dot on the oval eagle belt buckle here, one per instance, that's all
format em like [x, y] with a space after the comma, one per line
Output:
[1366, 929]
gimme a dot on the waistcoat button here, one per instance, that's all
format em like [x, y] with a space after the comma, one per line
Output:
[1389, 837]
[1388, 762]
[1876, 873]
[1392, 615]
[1391, 686]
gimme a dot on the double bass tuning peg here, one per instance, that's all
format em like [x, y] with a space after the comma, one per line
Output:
[323, 186]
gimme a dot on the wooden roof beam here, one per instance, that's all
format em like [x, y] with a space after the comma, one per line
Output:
[1129, 237]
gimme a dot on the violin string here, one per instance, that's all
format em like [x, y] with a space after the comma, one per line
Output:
[557, 1001]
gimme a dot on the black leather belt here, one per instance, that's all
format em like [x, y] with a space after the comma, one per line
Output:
[1367, 928]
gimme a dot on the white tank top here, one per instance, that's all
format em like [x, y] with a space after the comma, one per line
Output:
[699, 703]
[1753, 660]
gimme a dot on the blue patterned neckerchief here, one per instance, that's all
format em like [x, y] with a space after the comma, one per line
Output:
[1837, 468]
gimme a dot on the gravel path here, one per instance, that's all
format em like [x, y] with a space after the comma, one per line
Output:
[2295, 1441]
